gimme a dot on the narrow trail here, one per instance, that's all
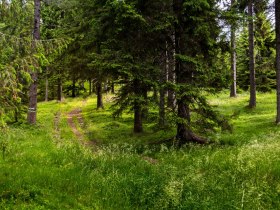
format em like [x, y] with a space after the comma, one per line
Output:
[71, 116]
[77, 123]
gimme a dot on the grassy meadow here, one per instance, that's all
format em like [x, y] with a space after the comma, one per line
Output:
[45, 166]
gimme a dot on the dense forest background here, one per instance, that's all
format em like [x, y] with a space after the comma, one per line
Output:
[157, 53]
[164, 54]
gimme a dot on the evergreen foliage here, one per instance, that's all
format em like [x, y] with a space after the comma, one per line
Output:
[265, 56]
[135, 45]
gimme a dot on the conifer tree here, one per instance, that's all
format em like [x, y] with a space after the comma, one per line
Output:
[277, 28]
[32, 110]
[263, 49]
[14, 57]
[233, 88]
[193, 41]
[252, 102]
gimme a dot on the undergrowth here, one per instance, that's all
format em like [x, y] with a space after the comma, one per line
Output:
[42, 169]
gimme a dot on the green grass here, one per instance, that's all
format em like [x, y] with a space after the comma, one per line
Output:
[102, 127]
[46, 168]
[249, 125]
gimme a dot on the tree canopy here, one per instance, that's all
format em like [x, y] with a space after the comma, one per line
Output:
[175, 48]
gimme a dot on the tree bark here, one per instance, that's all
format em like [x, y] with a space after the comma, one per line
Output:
[73, 88]
[277, 28]
[138, 127]
[47, 89]
[252, 103]
[144, 107]
[181, 75]
[90, 86]
[233, 58]
[162, 107]
[171, 102]
[32, 109]
[53, 92]
[162, 92]
[99, 95]
[59, 89]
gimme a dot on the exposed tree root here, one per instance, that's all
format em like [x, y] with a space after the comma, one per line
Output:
[189, 137]
[179, 142]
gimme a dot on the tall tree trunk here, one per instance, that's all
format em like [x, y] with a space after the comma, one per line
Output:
[183, 76]
[138, 127]
[90, 86]
[53, 92]
[99, 95]
[277, 24]
[162, 91]
[171, 102]
[59, 89]
[233, 57]
[183, 129]
[73, 88]
[252, 103]
[32, 109]
[145, 110]
[47, 87]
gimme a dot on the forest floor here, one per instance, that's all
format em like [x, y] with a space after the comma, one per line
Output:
[77, 124]
[52, 166]
[76, 114]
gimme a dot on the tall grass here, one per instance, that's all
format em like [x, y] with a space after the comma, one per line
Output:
[46, 170]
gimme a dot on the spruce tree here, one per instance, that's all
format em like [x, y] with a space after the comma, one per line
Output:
[277, 28]
[233, 87]
[15, 29]
[252, 101]
[193, 40]
[32, 109]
